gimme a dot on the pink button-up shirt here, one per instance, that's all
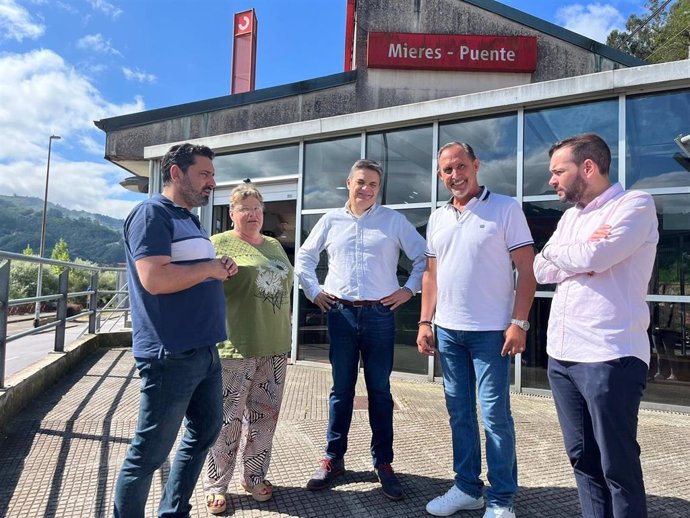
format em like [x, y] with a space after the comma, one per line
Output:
[599, 312]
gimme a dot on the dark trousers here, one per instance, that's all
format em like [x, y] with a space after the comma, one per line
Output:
[369, 331]
[597, 405]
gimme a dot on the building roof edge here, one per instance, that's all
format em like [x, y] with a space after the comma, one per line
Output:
[558, 32]
[226, 101]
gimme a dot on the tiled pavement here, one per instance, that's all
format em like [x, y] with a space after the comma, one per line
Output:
[62, 454]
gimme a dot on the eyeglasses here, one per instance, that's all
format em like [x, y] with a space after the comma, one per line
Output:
[247, 210]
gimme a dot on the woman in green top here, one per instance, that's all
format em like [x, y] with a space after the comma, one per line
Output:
[254, 357]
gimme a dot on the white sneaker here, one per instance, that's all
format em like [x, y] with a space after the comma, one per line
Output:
[454, 500]
[499, 512]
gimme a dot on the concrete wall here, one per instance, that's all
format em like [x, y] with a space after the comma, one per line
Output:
[377, 88]
[129, 143]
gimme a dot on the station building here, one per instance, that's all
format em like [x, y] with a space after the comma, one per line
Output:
[418, 74]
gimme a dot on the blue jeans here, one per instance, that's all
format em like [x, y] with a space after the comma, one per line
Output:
[472, 364]
[175, 387]
[597, 405]
[368, 330]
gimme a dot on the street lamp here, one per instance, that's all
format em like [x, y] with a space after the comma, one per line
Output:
[37, 314]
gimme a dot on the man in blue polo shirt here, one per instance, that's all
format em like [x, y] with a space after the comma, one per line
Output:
[176, 296]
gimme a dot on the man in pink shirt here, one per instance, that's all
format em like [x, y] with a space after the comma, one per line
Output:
[601, 257]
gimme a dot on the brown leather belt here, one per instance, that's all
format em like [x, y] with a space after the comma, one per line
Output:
[358, 303]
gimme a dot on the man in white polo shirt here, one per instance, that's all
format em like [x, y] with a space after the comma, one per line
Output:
[601, 257]
[468, 290]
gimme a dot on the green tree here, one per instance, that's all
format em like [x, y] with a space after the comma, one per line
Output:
[28, 250]
[673, 40]
[662, 34]
[24, 278]
[60, 253]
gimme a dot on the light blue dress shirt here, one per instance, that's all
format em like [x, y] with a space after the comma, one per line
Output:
[362, 253]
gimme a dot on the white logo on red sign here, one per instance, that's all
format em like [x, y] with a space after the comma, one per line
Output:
[243, 23]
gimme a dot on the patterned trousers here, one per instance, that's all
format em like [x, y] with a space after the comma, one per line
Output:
[252, 393]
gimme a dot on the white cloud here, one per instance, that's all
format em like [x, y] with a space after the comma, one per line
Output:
[97, 43]
[67, 7]
[63, 102]
[138, 75]
[594, 21]
[106, 8]
[16, 22]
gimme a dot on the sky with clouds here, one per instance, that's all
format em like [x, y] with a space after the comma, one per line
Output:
[67, 63]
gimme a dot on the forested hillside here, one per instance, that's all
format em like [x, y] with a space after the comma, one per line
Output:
[93, 237]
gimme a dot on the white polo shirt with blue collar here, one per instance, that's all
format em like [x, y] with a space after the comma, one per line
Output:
[474, 271]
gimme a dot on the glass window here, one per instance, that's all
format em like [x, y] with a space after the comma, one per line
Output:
[312, 332]
[406, 158]
[542, 218]
[534, 361]
[673, 252]
[494, 140]
[407, 357]
[669, 366]
[545, 127]
[260, 163]
[653, 158]
[326, 166]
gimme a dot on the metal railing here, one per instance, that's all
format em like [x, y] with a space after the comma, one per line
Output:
[116, 309]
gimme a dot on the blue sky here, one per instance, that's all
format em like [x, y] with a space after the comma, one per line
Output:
[66, 63]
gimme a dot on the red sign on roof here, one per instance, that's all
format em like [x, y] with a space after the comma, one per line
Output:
[452, 52]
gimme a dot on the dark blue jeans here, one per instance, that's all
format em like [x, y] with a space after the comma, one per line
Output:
[368, 330]
[597, 405]
[175, 387]
[473, 366]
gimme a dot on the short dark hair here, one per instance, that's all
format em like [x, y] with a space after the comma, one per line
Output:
[464, 145]
[183, 155]
[365, 163]
[587, 146]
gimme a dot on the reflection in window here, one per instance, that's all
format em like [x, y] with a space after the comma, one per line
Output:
[407, 357]
[669, 366]
[312, 335]
[542, 218]
[545, 127]
[673, 252]
[261, 163]
[494, 140]
[312, 332]
[653, 158]
[308, 223]
[406, 158]
[326, 166]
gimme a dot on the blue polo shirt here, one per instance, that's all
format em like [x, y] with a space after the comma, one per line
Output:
[175, 322]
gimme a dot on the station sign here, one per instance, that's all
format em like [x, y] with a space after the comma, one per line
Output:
[452, 52]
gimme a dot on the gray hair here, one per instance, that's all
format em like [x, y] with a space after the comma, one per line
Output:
[464, 145]
[243, 191]
[366, 164]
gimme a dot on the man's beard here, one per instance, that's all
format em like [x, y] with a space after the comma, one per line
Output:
[575, 193]
[192, 198]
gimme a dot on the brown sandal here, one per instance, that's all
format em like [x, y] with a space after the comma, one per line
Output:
[211, 499]
[261, 492]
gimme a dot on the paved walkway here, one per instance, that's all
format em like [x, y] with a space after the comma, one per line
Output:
[62, 454]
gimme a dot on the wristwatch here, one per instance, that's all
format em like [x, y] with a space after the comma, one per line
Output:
[522, 324]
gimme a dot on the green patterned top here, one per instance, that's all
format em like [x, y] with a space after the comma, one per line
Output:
[257, 298]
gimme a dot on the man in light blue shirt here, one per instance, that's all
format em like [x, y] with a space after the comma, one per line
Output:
[363, 241]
